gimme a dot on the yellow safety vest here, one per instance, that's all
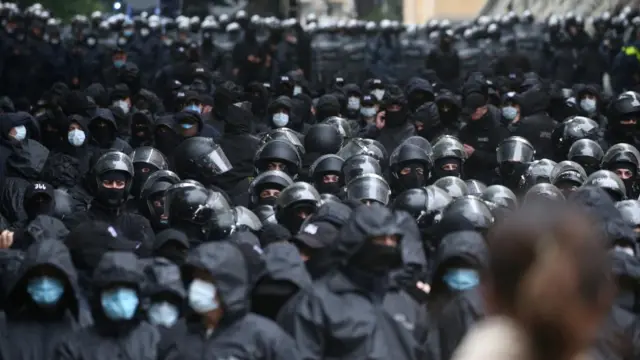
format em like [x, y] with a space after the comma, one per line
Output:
[631, 51]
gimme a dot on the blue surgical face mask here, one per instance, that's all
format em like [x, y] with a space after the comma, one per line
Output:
[461, 279]
[119, 303]
[280, 119]
[45, 290]
[21, 132]
[186, 126]
[353, 103]
[194, 108]
[509, 112]
[368, 112]
[118, 63]
[202, 296]
[76, 137]
[127, 32]
[163, 314]
[588, 105]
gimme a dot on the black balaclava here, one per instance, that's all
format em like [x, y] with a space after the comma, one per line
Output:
[140, 176]
[103, 135]
[412, 180]
[112, 198]
[332, 188]
[291, 220]
[140, 124]
[628, 183]
[438, 172]
[39, 204]
[377, 259]
[166, 139]
[510, 173]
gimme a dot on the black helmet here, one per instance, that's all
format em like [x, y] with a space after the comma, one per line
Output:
[608, 181]
[501, 196]
[543, 192]
[328, 164]
[415, 149]
[537, 172]
[624, 107]
[454, 186]
[284, 134]
[113, 161]
[272, 179]
[146, 160]
[475, 187]
[296, 193]
[424, 204]
[515, 149]
[341, 125]
[246, 219]
[278, 151]
[325, 198]
[158, 182]
[571, 130]
[189, 206]
[369, 187]
[621, 153]
[359, 146]
[448, 146]
[630, 211]
[473, 209]
[587, 153]
[359, 165]
[201, 159]
[323, 139]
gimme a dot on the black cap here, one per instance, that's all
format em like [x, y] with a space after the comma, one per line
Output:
[39, 188]
[474, 100]
[316, 235]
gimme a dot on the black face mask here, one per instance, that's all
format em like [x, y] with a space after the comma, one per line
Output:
[270, 200]
[103, 135]
[111, 198]
[510, 173]
[332, 188]
[166, 140]
[395, 118]
[319, 263]
[439, 172]
[413, 179]
[38, 206]
[140, 177]
[377, 259]
[291, 220]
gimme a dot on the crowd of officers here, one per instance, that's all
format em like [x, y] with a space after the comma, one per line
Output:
[220, 189]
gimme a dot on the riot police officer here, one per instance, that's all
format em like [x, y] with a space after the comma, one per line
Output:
[113, 174]
[152, 198]
[326, 174]
[295, 204]
[267, 187]
[624, 160]
[449, 157]
[146, 161]
[410, 164]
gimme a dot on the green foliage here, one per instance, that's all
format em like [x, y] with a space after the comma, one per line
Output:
[65, 9]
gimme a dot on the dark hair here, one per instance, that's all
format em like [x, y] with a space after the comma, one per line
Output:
[545, 267]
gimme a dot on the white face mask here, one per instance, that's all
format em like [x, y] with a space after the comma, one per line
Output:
[378, 93]
[202, 296]
[368, 112]
[280, 119]
[21, 132]
[297, 90]
[144, 32]
[167, 41]
[76, 137]
[163, 314]
[122, 104]
[91, 41]
[353, 103]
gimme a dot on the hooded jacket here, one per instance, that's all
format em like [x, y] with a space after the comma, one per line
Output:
[115, 142]
[601, 207]
[240, 147]
[133, 339]
[239, 334]
[338, 318]
[416, 84]
[452, 314]
[28, 332]
[535, 125]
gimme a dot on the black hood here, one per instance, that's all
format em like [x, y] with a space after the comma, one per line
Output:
[118, 267]
[106, 114]
[11, 120]
[599, 204]
[99, 94]
[365, 222]
[283, 263]
[280, 101]
[535, 101]
[238, 121]
[419, 84]
[163, 276]
[412, 250]
[228, 267]
[44, 253]
[468, 246]
[188, 115]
